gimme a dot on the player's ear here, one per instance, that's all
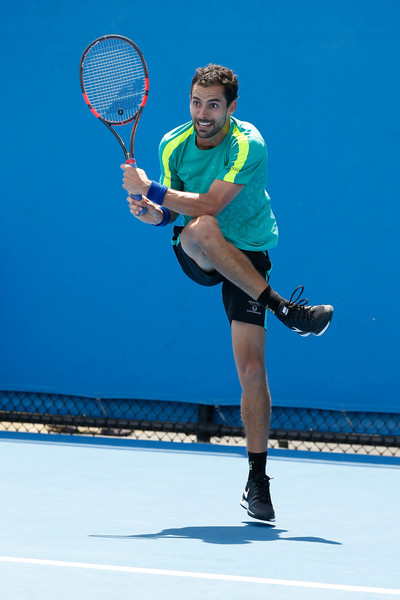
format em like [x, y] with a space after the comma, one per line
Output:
[232, 107]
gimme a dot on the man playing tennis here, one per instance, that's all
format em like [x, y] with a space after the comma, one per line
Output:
[214, 173]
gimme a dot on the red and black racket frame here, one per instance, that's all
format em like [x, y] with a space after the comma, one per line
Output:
[129, 156]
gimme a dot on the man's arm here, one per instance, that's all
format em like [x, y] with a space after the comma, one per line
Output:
[220, 194]
[153, 215]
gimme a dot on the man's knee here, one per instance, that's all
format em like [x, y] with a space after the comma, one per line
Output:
[201, 229]
[251, 371]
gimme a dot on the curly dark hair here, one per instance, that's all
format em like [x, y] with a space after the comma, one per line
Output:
[217, 75]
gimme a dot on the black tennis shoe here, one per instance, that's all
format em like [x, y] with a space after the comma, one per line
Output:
[256, 499]
[303, 319]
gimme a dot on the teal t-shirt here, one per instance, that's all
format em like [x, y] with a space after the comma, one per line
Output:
[248, 221]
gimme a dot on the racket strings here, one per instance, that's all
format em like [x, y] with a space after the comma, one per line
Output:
[114, 80]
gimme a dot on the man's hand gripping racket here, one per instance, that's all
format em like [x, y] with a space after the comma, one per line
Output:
[115, 86]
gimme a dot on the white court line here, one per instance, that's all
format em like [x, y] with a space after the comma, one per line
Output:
[194, 575]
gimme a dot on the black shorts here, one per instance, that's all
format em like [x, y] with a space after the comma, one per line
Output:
[238, 305]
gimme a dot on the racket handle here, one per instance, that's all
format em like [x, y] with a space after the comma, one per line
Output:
[131, 162]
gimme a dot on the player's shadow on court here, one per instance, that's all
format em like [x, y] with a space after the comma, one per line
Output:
[253, 532]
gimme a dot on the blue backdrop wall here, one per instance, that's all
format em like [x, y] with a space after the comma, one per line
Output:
[93, 303]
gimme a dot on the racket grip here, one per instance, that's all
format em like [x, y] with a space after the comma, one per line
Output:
[131, 162]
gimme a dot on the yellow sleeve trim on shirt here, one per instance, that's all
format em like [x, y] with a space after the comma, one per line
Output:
[168, 150]
[241, 158]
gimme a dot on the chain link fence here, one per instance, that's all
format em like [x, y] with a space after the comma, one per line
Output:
[293, 428]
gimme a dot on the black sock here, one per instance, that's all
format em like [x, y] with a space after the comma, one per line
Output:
[270, 299]
[257, 463]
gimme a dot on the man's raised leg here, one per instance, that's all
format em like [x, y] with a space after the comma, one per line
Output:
[203, 241]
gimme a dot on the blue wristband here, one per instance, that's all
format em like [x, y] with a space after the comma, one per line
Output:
[156, 192]
[166, 217]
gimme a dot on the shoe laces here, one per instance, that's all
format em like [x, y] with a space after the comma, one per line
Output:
[299, 312]
[294, 302]
[261, 489]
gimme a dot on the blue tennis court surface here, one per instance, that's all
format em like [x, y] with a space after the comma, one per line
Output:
[84, 519]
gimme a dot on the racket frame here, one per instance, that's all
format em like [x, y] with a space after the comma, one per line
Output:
[129, 155]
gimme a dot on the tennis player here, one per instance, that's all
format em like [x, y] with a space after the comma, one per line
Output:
[214, 173]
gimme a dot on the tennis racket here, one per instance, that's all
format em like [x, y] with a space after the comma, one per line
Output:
[115, 86]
